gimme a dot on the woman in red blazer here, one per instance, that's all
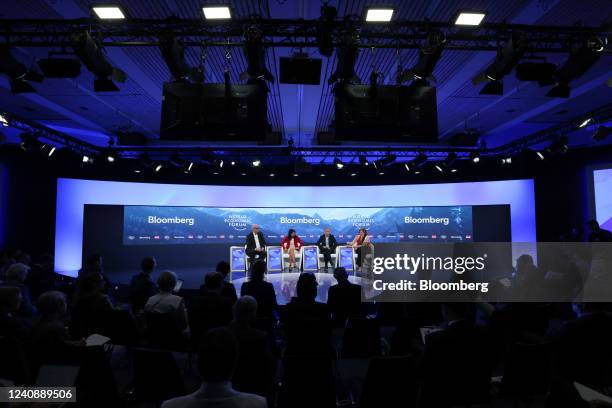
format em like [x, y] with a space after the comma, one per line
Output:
[290, 244]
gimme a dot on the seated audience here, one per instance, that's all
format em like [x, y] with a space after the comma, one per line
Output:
[94, 263]
[10, 301]
[343, 298]
[262, 291]
[456, 364]
[51, 328]
[41, 277]
[211, 309]
[306, 321]
[142, 286]
[582, 346]
[89, 299]
[255, 367]
[167, 302]
[16, 276]
[216, 363]
[227, 290]
[529, 281]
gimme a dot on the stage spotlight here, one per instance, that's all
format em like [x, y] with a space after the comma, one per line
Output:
[338, 163]
[87, 159]
[217, 12]
[601, 133]
[255, 55]
[232, 163]
[272, 174]
[109, 12]
[540, 155]
[585, 122]
[173, 53]
[324, 30]
[256, 163]
[578, 62]
[429, 54]
[419, 160]
[439, 167]
[385, 161]
[506, 160]
[470, 18]
[353, 174]
[218, 163]
[505, 60]
[322, 175]
[3, 121]
[407, 167]
[559, 146]
[48, 150]
[475, 157]
[243, 174]
[379, 14]
[450, 159]
[90, 53]
[295, 175]
[381, 173]
[158, 167]
[110, 157]
[453, 170]
[364, 161]
[29, 141]
[17, 73]
[188, 167]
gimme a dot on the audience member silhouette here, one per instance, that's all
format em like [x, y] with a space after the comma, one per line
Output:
[16, 276]
[582, 346]
[343, 298]
[142, 286]
[89, 298]
[165, 302]
[216, 362]
[10, 301]
[211, 309]
[50, 330]
[262, 291]
[306, 321]
[227, 290]
[457, 360]
[255, 367]
[596, 233]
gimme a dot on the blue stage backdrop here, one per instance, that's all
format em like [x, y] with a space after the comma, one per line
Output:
[164, 225]
[603, 197]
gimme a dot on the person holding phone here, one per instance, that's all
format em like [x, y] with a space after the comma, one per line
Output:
[362, 239]
[291, 243]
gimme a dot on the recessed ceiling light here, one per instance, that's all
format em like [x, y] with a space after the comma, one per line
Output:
[217, 12]
[108, 12]
[379, 15]
[469, 18]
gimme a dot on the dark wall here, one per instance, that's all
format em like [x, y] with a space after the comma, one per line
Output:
[28, 189]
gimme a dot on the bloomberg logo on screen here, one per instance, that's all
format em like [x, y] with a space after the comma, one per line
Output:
[426, 220]
[170, 220]
[302, 220]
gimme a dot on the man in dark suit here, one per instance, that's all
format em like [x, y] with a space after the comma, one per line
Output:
[343, 299]
[327, 245]
[256, 245]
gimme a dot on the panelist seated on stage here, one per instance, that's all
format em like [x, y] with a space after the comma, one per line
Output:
[291, 243]
[256, 245]
[361, 241]
[327, 245]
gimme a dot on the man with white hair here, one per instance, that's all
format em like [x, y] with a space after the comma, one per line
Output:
[256, 245]
[16, 275]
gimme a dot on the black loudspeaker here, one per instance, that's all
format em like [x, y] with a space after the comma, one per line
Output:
[214, 112]
[306, 71]
[386, 113]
